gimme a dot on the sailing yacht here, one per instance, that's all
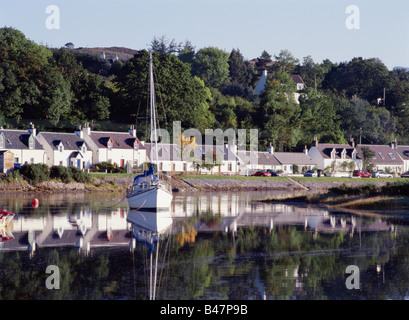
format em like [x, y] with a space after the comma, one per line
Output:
[148, 192]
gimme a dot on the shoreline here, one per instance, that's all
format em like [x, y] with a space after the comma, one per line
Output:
[119, 184]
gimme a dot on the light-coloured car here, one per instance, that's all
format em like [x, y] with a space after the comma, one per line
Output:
[381, 174]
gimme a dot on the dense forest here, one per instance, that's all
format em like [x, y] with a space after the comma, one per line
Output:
[60, 88]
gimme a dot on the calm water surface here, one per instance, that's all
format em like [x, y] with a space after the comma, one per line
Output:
[208, 246]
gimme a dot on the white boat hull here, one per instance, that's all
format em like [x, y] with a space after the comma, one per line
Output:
[153, 199]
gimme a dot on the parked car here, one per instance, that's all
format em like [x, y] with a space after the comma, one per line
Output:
[274, 173]
[405, 174]
[262, 174]
[381, 174]
[311, 173]
[361, 173]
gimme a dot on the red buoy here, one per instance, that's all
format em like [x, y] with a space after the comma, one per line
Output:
[35, 203]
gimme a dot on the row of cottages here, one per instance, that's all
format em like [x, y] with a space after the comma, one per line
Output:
[270, 160]
[391, 157]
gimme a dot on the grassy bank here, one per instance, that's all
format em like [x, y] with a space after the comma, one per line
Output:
[391, 196]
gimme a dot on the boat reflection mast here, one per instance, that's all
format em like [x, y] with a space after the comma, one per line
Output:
[147, 227]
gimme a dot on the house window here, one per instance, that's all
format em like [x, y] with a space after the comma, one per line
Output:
[60, 163]
[32, 160]
[392, 156]
[230, 167]
[381, 155]
[160, 166]
[16, 160]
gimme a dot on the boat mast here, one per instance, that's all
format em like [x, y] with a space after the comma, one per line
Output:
[154, 138]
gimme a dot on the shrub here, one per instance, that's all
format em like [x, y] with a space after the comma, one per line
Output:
[61, 173]
[78, 175]
[35, 172]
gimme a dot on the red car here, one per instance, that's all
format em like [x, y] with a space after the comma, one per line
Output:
[361, 173]
[262, 174]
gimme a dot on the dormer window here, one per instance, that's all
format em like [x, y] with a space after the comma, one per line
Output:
[333, 153]
[60, 148]
[109, 144]
[343, 154]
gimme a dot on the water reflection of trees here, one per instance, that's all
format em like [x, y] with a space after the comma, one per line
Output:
[253, 263]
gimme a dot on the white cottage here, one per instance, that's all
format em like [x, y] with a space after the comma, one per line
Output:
[65, 149]
[119, 148]
[23, 144]
[333, 155]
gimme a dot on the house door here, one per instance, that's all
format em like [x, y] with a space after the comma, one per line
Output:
[122, 163]
[79, 163]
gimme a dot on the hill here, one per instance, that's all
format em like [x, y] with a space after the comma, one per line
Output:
[123, 54]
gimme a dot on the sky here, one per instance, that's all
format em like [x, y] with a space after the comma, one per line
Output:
[322, 29]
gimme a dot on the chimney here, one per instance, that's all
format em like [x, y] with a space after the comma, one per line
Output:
[79, 132]
[32, 130]
[351, 142]
[394, 144]
[270, 149]
[86, 129]
[132, 131]
[305, 150]
[315, 142]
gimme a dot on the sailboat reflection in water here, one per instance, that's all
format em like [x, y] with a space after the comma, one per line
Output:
[148, 227]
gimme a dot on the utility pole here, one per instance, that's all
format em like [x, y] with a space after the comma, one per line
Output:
[360, 135]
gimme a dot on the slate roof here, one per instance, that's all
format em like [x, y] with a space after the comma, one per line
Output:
[326, 148]
[298, 158]
[297, 78]
[121, 140]
[384, 154]
[403, 152]
[18, 139]
[70, 141]
[262, 157]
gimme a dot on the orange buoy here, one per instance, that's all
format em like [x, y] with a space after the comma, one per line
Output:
[35, 203]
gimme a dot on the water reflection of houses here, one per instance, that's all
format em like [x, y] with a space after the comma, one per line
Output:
[86, 228]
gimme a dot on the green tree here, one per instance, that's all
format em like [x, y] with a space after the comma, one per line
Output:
[366, 155]
[319, 118]
[179, 95]
[364, 78]
[31, 85]
[187, 53]
[278, 114]
[163, 45]
[285, 61]
[211, 65]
